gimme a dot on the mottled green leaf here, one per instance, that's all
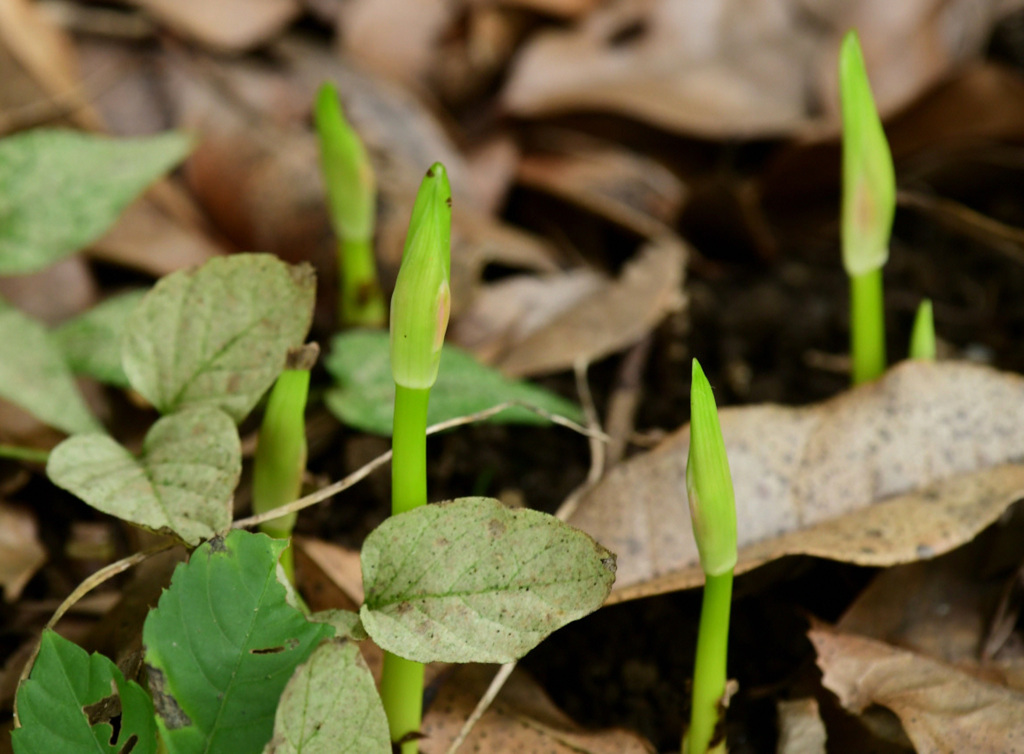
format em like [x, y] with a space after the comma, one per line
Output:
[91, 342]
[69, 699]
[473, 581]
[331, 706]
[61, 190]
[221, 645]
[218, 335]
[364, 395]
[34, 375]
[182, 483]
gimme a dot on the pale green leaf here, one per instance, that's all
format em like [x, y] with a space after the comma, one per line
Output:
[182, 483]
[91, 342]
[221, 645]
[62, 190]
[218, 335]
[60, 705]
[473, 581]
[34, 375]
[331, 706]
[365, 393]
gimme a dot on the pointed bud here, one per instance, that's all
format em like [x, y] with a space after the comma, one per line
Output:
[351, 184]
[922, 337]
[422, 299]
[709, 483]
[869, 179]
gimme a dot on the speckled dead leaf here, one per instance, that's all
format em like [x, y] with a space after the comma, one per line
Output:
[522, 720]
[627, 188]
[226, 25]
[614, 316]
[941, 708]
[21, 553]
[902, 469]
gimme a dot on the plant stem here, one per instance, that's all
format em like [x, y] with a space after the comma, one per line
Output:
[24, 454]
[922, 337]
[401, 686]
[362, 301]
[867, 326]
[710, 667]
[281, 457]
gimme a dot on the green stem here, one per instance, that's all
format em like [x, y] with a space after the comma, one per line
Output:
[24, 454]
[281, 457]
[401, 686]
[709, 670]
[362, 301]
[867, 326]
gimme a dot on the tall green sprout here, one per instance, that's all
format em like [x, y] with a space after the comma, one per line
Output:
[713, 512]
[868, 208]
[281, 450]
[352, 196]
[419, 319]
[922, 337]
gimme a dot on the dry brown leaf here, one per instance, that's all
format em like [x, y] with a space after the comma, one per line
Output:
[561, 8]
[522, 720]
[613, 317]
[899, 470]
[742, 67]
[339, 565]
[801, 730]
[34, 295]
[225, 25]
[21, 553]
[621, 186]
[943, 710]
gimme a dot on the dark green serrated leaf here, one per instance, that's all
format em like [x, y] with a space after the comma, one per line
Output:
[221, 645]
[331, 706]
[365, 393]
[91, 342]
[181, 484]
[69, 699]
[218, 335]
[34, 375]
[473, 581]
[61, 190]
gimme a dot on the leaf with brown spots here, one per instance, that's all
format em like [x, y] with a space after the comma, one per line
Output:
[898, 470]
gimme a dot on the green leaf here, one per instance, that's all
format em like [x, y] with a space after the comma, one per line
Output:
[331, 706]
[218, 335]
[34, 375]
[365, 393]
[346, 623]
[473, 581]
[61, 705]
[91, 342]
[221, 645]
[61, 190]
[182, 483]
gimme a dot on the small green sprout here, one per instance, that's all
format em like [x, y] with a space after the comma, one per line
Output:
[419, 319]
[713, 511]
[922, 337]
[352, 196]
[281, 450]
[868, 208]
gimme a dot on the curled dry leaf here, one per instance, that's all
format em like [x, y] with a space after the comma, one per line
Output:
[941, 708]
[226, 25]
[522, 720]
[21, 553]
[898, 470]
[615, 315]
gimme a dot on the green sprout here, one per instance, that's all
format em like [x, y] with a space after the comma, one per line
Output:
[922, 337]
[281, 450]
[868, 208]
[352, 195]
[713, 511]
[419, 319]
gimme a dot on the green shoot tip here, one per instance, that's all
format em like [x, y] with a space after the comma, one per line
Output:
[922, 337]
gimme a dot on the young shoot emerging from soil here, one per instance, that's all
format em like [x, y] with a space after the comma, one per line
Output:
[868, 207]
[419, 319]
[352, 198]
[713, 511]
[922, 337]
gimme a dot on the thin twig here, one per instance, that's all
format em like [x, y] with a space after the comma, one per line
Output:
[483, 705]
